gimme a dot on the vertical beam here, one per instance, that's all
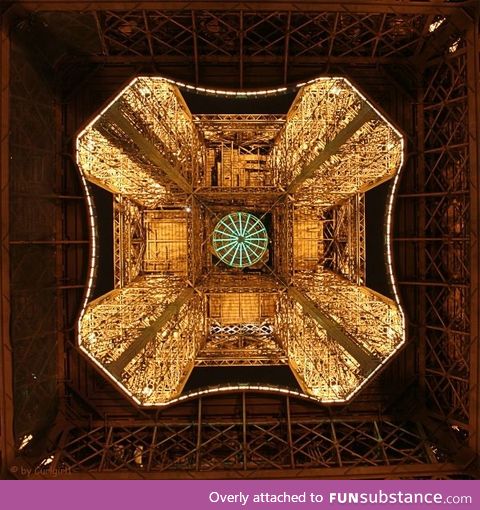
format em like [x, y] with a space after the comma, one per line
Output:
[106, 449]
[421, 202]
[101, 34]
[7, 446]
[149, 35]
[244, 430]
[336, 444]
[199, 435]
[473, 92]
[241, 63]
[287, 48]
[152, 448]
[60, 269]
[289, 433]
[195, 47]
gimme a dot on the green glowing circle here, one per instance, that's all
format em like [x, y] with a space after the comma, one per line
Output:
[240, 239]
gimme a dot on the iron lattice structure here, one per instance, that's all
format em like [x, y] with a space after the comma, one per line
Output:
[346, 147]
[386, 47]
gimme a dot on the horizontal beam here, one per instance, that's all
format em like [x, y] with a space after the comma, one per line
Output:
[147, 148]
[433, 194]
[149, 333]
[227, 60]
[349, 6]
[53, 242]
[425, 283]
[332, 147]
[367, 362]
[425, 239]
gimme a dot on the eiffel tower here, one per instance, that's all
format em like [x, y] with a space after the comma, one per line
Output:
[239, 241]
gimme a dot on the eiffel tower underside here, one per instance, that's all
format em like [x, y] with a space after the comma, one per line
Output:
[211, 190]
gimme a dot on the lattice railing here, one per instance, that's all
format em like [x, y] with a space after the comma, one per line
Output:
[353, 447]
[446, 237]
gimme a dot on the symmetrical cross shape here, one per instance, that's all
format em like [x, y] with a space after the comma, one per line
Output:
[176, 303]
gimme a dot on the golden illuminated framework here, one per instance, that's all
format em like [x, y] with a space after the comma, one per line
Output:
[174, 176]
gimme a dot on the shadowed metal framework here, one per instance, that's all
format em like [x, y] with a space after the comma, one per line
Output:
[69, 417]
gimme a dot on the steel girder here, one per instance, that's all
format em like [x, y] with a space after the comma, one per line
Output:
[418, 196]
[250, 443]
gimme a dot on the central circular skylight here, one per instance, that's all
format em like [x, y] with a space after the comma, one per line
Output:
[240, 239]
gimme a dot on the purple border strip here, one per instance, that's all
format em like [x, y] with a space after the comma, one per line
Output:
[240, 494]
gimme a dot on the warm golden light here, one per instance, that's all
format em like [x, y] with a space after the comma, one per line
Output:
[175, 176]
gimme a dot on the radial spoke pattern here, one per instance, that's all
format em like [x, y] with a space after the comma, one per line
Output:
[240, 239]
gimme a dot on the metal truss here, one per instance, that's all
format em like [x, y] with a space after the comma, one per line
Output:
[441, 289]
[168, 232]
[240, 346]
[340, 133]
[114, 320]
[333, 239]
[446, 240]
[247, 130]
[240, 44]
[252, 443]
[283, 241]
[247, 283]
[113, 170]
[197, 239]
[373, 320]
[355, 328]
[336, 125]
[344, 239]
[161, 369]
[121, 332]
[128, 154]
[321, 365]
[237, 146]
[156, 110]
[436, 251]
[314, 125]
[253, 341]
[129, 240]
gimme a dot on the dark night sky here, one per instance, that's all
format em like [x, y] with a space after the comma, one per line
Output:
[375, 202]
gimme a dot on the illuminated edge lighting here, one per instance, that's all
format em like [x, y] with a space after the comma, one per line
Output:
[391, 275]
[390, 208]
[388, 236]
[91, 215]
[93, 250]
[216, 389]
[228, 388]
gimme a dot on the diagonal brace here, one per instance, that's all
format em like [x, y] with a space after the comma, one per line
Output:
[147, 148]
[364, 115]
[366, 360]
[149, 333]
